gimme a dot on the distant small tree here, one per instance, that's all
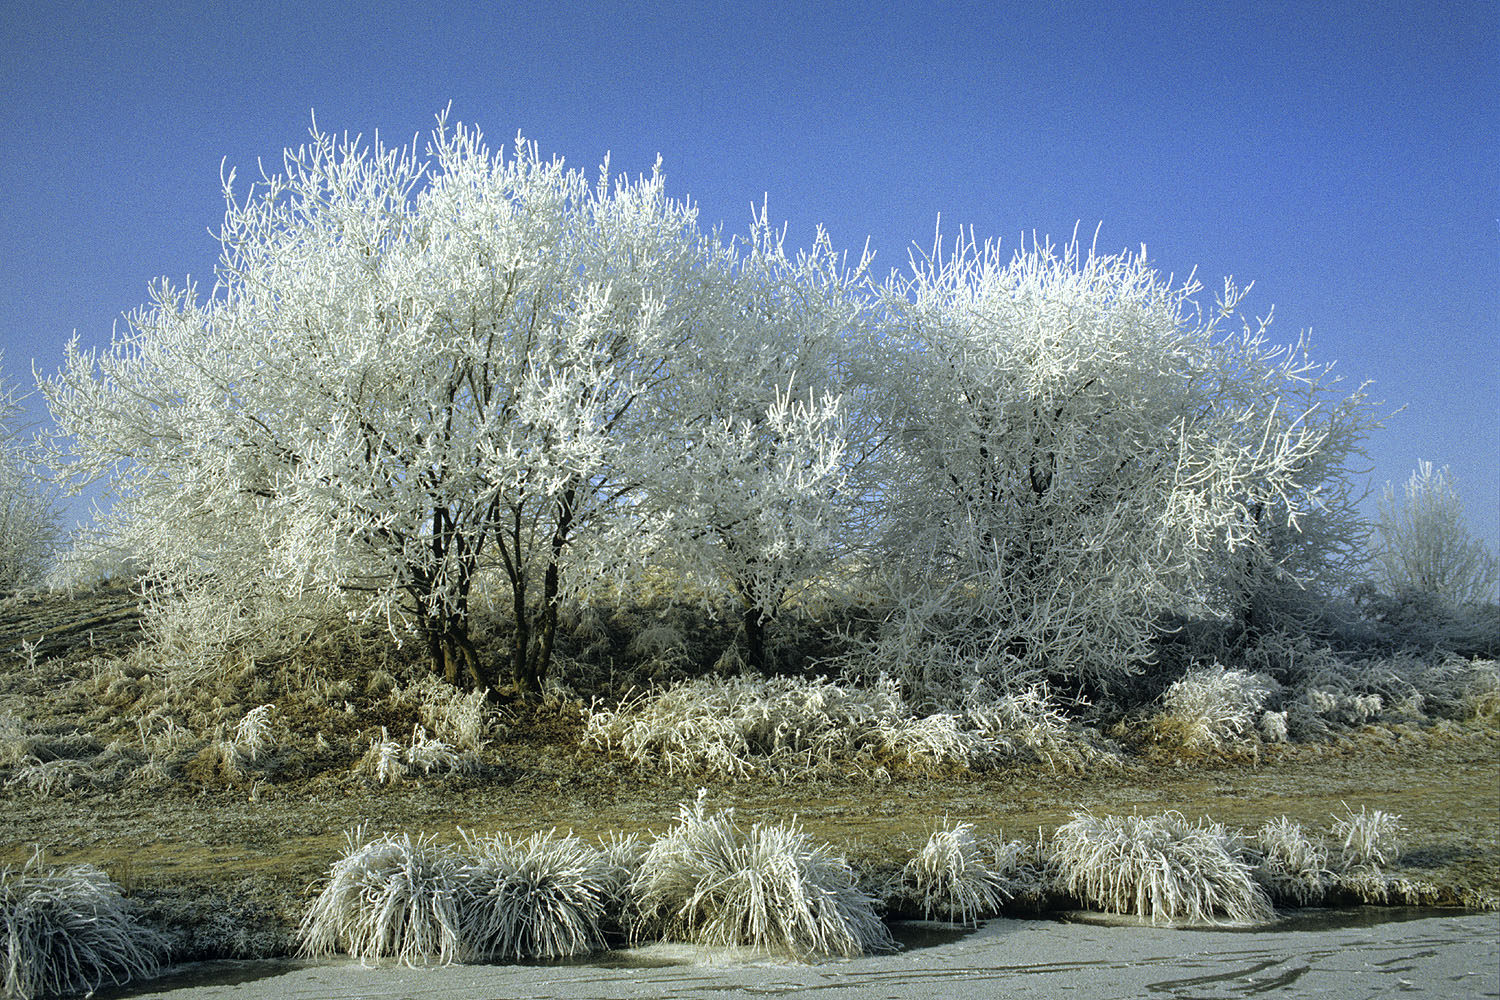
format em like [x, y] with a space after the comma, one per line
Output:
[412, 370]
[28, 503]
[1423, 543]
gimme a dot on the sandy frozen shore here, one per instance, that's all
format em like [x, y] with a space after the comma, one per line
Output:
[1334, 955]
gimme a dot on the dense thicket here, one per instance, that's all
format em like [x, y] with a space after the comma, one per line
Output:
[422, 378]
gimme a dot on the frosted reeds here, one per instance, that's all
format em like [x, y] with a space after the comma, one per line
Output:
[1160, 867]
[708, 881]
[69, 931]
[547, 896]
[958, 876]
[390, 897]
[1291, 865]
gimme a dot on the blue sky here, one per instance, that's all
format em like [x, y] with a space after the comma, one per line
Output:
[1344, 156]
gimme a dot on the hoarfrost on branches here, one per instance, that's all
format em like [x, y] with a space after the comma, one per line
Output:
[1082, 451]
[411, 369]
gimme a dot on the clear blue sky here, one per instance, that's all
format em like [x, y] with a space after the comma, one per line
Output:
[1344, 156]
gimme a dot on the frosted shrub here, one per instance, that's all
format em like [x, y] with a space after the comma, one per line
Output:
[544, 897]
[1080, 448]
[391, 897]
[69, 931]
[1159, 867]
[1292, 866]
[1213, 707]
[477, 340]
[708, 881]
[957, 876]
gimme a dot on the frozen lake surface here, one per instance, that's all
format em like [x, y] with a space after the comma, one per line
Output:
[1338, 954]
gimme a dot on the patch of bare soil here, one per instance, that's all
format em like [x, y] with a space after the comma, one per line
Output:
[244, 855]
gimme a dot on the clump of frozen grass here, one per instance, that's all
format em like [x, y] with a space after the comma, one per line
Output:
[736, 727]
[1160, 867]
[428, 754]
[939, 738]
[710, 882]
[1456, 688]
[69, 931]
[50, 777]
[1212, 707]
[958, 876]
[1291, 866]
[1030, 723]
[1368, 841]
[1323, 707]
[391, 897]
[739, 727]
[1481, 697]
[383, 760]
[460, 719]
[547, 896]
[658, 644]
[1274, 727]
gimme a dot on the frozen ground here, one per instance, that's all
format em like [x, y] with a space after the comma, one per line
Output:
[1335, 954]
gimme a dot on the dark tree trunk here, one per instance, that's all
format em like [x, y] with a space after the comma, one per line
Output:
[452, 653]
[755, 639]
[536, 667]
[522, 670]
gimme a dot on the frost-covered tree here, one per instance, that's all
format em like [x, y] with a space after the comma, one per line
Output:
[1423, 543]
[28, 503]
[412, 369]
[760, 495]
[1083, 452]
